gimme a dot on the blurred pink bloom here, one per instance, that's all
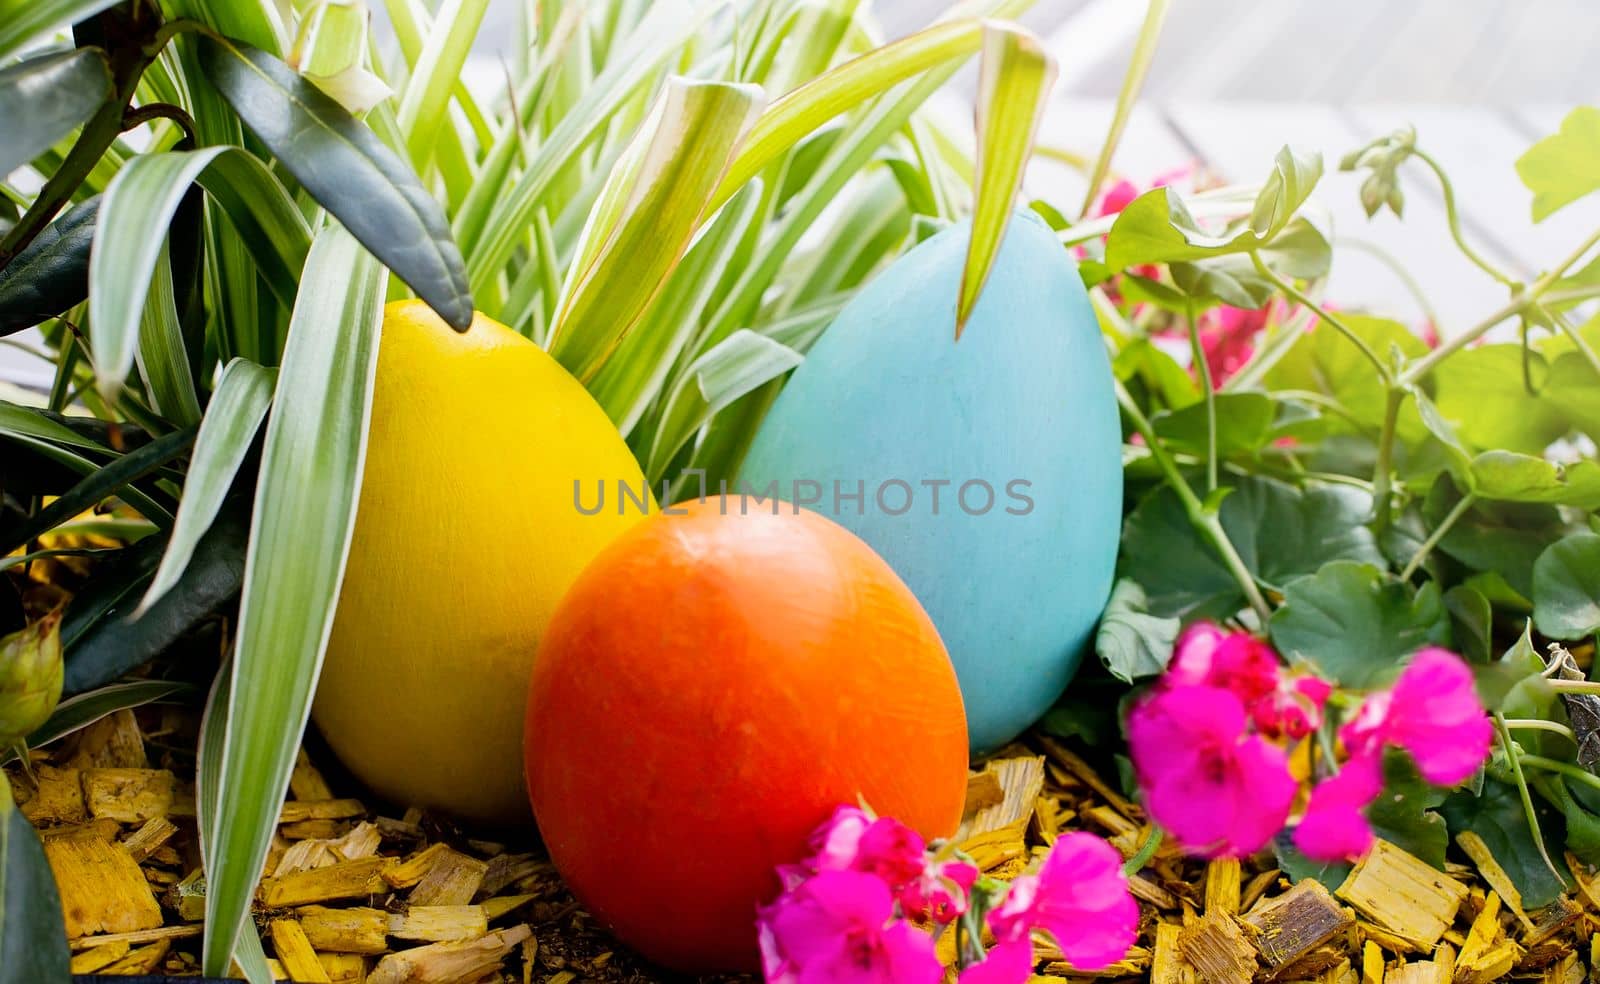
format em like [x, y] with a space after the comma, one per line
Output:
[853, 840]
[1433, 712]
[1228, 338]
[1429, 333]
[1006, 963]
[835, 928]
[1218, 790]
[1294, 709]
[1237, 662]
[1334, 827]
[1122, 191]
[1080, 897]
[939, 892]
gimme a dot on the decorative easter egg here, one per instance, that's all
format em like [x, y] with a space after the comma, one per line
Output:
[714, 685]
[469, 531]
[987, 470]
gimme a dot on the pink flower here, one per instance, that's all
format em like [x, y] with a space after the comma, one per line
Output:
[838, 927]
[939, 892]
[1334, 827]
[1218, 790]
[1293, 710]
[1433, 712]
[853, 840]
[1006, 963]
[1227, 338]
[1117, 197]
[1080, 897]
[1237, 662]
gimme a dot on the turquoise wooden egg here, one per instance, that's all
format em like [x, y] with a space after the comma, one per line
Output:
[987, 471]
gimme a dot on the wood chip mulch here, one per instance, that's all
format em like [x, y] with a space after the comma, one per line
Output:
[351, 895]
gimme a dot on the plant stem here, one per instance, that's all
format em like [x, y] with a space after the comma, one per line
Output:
[1291, 291]
[1398, 269]
[1453, 217]
[1575, 686]
[1144, 51]
[1539, 724]
[1146, 851]
[1518, 303]
[1437, 535]
[1381, 467]
[1204, 521]
[1203, 370]
[1515, 758]
[1565, 769]
[127, 48]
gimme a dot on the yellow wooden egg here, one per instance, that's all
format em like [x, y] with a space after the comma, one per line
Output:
[469, 532]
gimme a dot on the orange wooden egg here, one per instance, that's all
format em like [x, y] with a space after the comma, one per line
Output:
[709, 690]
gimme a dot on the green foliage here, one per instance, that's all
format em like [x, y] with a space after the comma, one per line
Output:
[1280, 532]
[1132, 643]
[1565, 166]
[1495, 813]
[1355, 625]
[1566, 588]
[33, 939]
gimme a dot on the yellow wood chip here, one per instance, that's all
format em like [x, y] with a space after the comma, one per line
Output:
[295, 953]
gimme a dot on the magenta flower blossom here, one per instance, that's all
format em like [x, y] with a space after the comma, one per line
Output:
[1293, 710]
[838, 927]
[1335, 827]
[1237, 662]
[1080, 897]
[1433, 712]
[939, 892]
[1006, 963]
[853, 840]
[1217, 789]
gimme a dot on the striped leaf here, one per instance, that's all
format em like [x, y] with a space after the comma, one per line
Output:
[305, 511]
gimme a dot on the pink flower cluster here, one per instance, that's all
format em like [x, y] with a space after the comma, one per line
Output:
[846, 913]
[1208, 744]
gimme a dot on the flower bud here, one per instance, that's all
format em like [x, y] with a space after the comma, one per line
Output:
[30, 678]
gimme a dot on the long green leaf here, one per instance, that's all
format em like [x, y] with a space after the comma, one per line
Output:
[163, 360]
[24, 20]
[102, 483]
[82, 710]
[427, 97]
[1014, 83]
[299, 539]
[491, 245]
[1144, 52]
[645, 217]
[237, 407]
[801, 111]
[136, 211]
[106, 637]
[43, 98]
[348, 170]
[33, 937]
[52, 274]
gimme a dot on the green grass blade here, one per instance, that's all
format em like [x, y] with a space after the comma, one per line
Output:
[163, 360]
[644, 219]
[82, 710]
[804, 109]
[348, 170]
[23, 20]
[633, 378]
[657, 39]
[1014, 83]
[738, 364]
[237, 408]
[44, 98]
[299, 539]
[264, 215]
[96, 486]
[132, 226]
[1144, 52]
[427, 97]
[20, 421]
